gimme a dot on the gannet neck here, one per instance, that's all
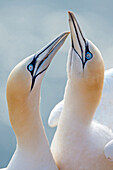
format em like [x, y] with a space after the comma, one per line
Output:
[24, 111]
[25, 118]
[23, 98]
[80, 103]
[30, 134]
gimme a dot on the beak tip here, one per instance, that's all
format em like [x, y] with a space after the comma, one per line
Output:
[68, 33]
[77, 38]
[70, 13]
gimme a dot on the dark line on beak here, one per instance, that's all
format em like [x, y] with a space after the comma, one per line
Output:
[50, 51]
[41, 62]
[37, 55]
[77, 35]
[33, 79]
[42, 71]
[80, 32]
[74, 48]
[72, 42]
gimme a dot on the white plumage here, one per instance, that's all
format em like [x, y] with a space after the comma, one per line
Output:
[79, 141]
[104, 111]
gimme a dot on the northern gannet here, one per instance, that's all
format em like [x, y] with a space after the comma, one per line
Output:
[23, 97]
[79, 141]
[104, 110]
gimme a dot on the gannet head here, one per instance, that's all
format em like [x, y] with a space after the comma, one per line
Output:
[85, 63]
[23, 85]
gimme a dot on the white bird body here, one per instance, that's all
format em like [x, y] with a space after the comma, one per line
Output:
[23, 97]
[104, 110]
[79, 141]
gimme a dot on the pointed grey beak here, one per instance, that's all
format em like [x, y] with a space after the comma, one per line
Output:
[78, 41]
[42, 59]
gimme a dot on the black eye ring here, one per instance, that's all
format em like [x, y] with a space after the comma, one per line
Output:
[30, 67]
[88, 55]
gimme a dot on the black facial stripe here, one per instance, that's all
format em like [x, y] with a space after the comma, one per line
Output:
[33, 78]
[33, 82]
[87, 47]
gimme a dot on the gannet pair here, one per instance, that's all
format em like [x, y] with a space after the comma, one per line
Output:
[23, 97]
[79, 141]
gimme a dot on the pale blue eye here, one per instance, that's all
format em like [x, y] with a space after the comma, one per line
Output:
[30, 67]
[88, 55]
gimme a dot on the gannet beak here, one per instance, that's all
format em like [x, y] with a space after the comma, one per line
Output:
[43, 57]
[77, 38]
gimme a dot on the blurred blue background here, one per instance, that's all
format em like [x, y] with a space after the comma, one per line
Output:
[25, 27]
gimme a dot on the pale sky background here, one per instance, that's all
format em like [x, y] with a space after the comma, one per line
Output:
[25, 27]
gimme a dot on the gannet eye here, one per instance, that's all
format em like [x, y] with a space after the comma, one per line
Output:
[89, 56]
[30, 67]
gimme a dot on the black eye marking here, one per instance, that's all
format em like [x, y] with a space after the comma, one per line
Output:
[33, 78]
[31, 66]
[88, 54]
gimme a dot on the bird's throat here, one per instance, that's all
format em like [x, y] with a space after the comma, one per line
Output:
[79, 104]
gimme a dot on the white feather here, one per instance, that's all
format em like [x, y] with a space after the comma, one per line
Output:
[55, 114]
